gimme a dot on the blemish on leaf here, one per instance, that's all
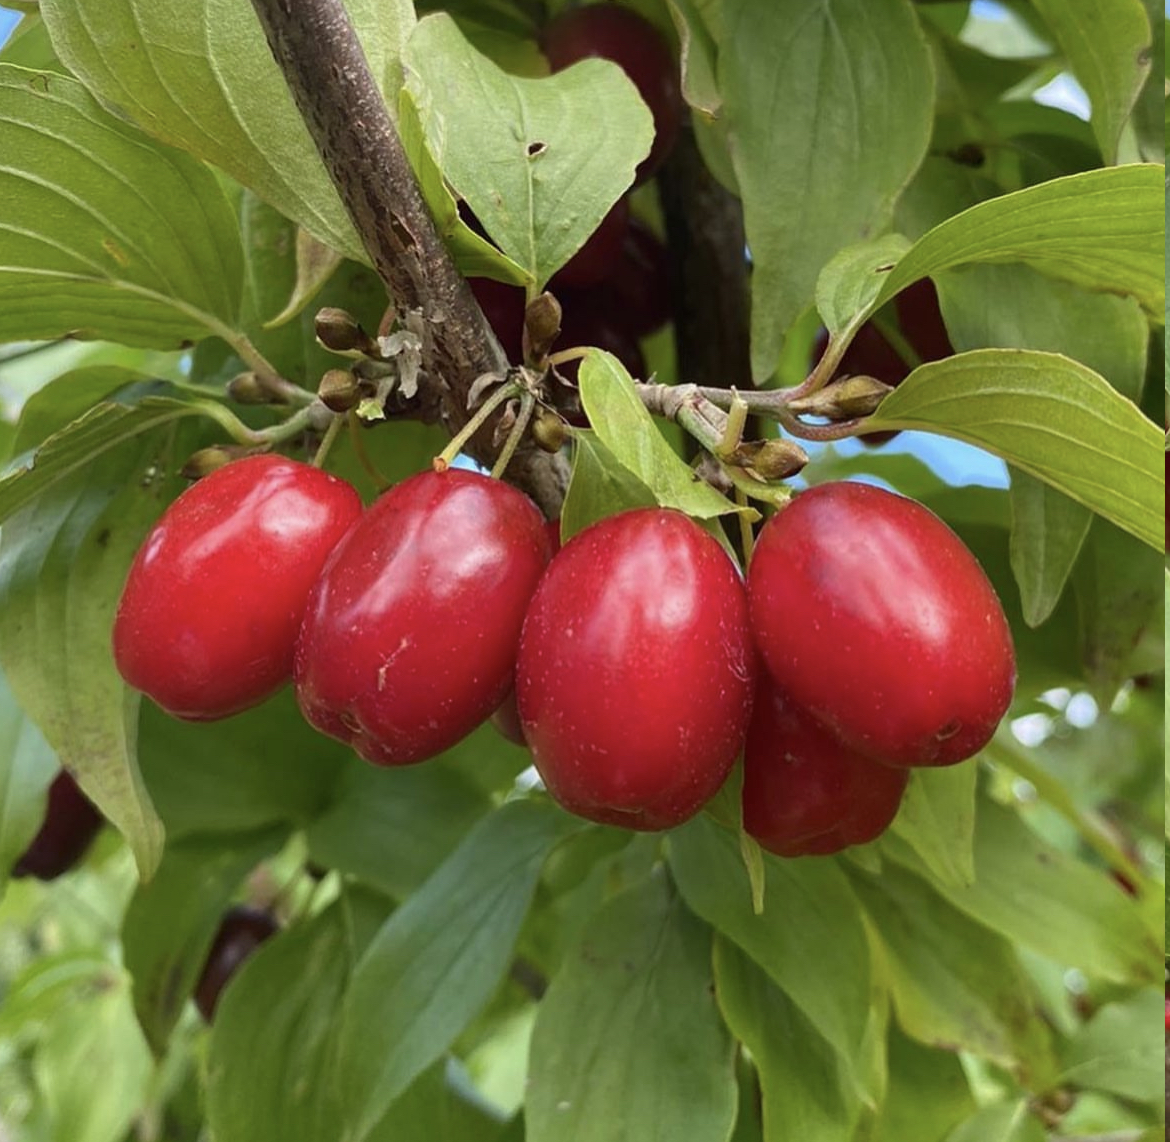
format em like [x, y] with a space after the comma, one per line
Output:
[115, 251]
[102, 537]
[535, 149]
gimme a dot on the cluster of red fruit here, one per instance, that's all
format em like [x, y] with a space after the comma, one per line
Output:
[633, 649]
[615, 290]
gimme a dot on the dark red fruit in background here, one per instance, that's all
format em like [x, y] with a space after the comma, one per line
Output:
[872, 615]
[241, 932]
[410, 636]
[806, 793]
[598, 258]
[589, 320]
[634, 680]
[71, 823]
[639, 288]
[636, 46]
[503, 306]
[921, 321]
[215, 596]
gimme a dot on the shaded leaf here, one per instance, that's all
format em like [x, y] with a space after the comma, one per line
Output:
[937, 820]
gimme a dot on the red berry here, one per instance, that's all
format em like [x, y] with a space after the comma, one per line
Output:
[871, 614]
[589, 320]
[635, 45]
[240, 933]
[921, 321]
[215, 596]
[70, 825]
[503, 306]
[634, 680]
[409, 640]
[805, 792]
[599, 257]
[639, 286]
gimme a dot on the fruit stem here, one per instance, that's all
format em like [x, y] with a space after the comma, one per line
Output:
[322, 453]
[747, 537]
[527, 404]
[753, 863]
[505, 392]
[564, 356]
[359, 450]
[285, 392]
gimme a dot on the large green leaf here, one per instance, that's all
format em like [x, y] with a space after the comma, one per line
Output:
[1103, 229]
[63, 560]
[822, 144]
[599, 486]
[1108, 49]
[437, 960]
[200, 76]
[104, 233]
[1051, 417]
[27, 766]
[1119, 1050]
[1046, 900]
[937, 820]
[621, 422]
[536, 164]
[806, 1091]
[628, 1044]
[955, 983]
[928, 1093]
[809, 939]
[170, 922]
[1014, 306]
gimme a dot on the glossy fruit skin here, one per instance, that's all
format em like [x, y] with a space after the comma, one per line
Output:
[871, 614]
[634, 681]
[635, 45]
[409, 640]
[70, 825]
[241, 931]
[806, 793]
[214, 599]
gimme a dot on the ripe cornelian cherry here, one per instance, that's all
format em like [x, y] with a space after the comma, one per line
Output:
[805, 792]
[70, 825]
[634, 680]
[618, 34]
[871, 614]
[213, 602]
[409, 641]
[241, 931]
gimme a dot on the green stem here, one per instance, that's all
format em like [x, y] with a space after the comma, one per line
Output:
[359, 450]
[737, 416]
[505, 392]
[327, 440]
[527, 404]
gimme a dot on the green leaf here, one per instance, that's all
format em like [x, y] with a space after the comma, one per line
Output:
[628, 1044]
[273, 1042]
[63, 560]
[822, 145]
[1119, 1050]
[537, 166]
[438, 959]
[27, 766]
[1051, 417]
[1119, 599]
[97, 1025]
[221, 776]
[1103, 229]
[928, 1094]
[393, 827]
[599, 486]
[103, 233]
[200, 76]
[809, 939]
[170, 922]
[937, 820]
[1108, 49]
[621, 423]
[1047, 901]
[807, 1093]
[67, 456]
[1000, 1122]
[955, 984]
[854, 277]
[1014, 306]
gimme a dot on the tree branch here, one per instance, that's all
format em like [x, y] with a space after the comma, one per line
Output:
[318, 52]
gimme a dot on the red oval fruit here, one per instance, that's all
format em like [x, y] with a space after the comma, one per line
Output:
[214, 599]
[71, 823]
[636, 46]
[872, 615]
[241, 931]
[634, 680]
[410, 637]
[805, 792]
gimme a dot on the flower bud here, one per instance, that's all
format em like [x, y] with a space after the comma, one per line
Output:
[542, 325]
[339, 390]
[845, 399]
[247, 388]
[338, 330]
[548, 430]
